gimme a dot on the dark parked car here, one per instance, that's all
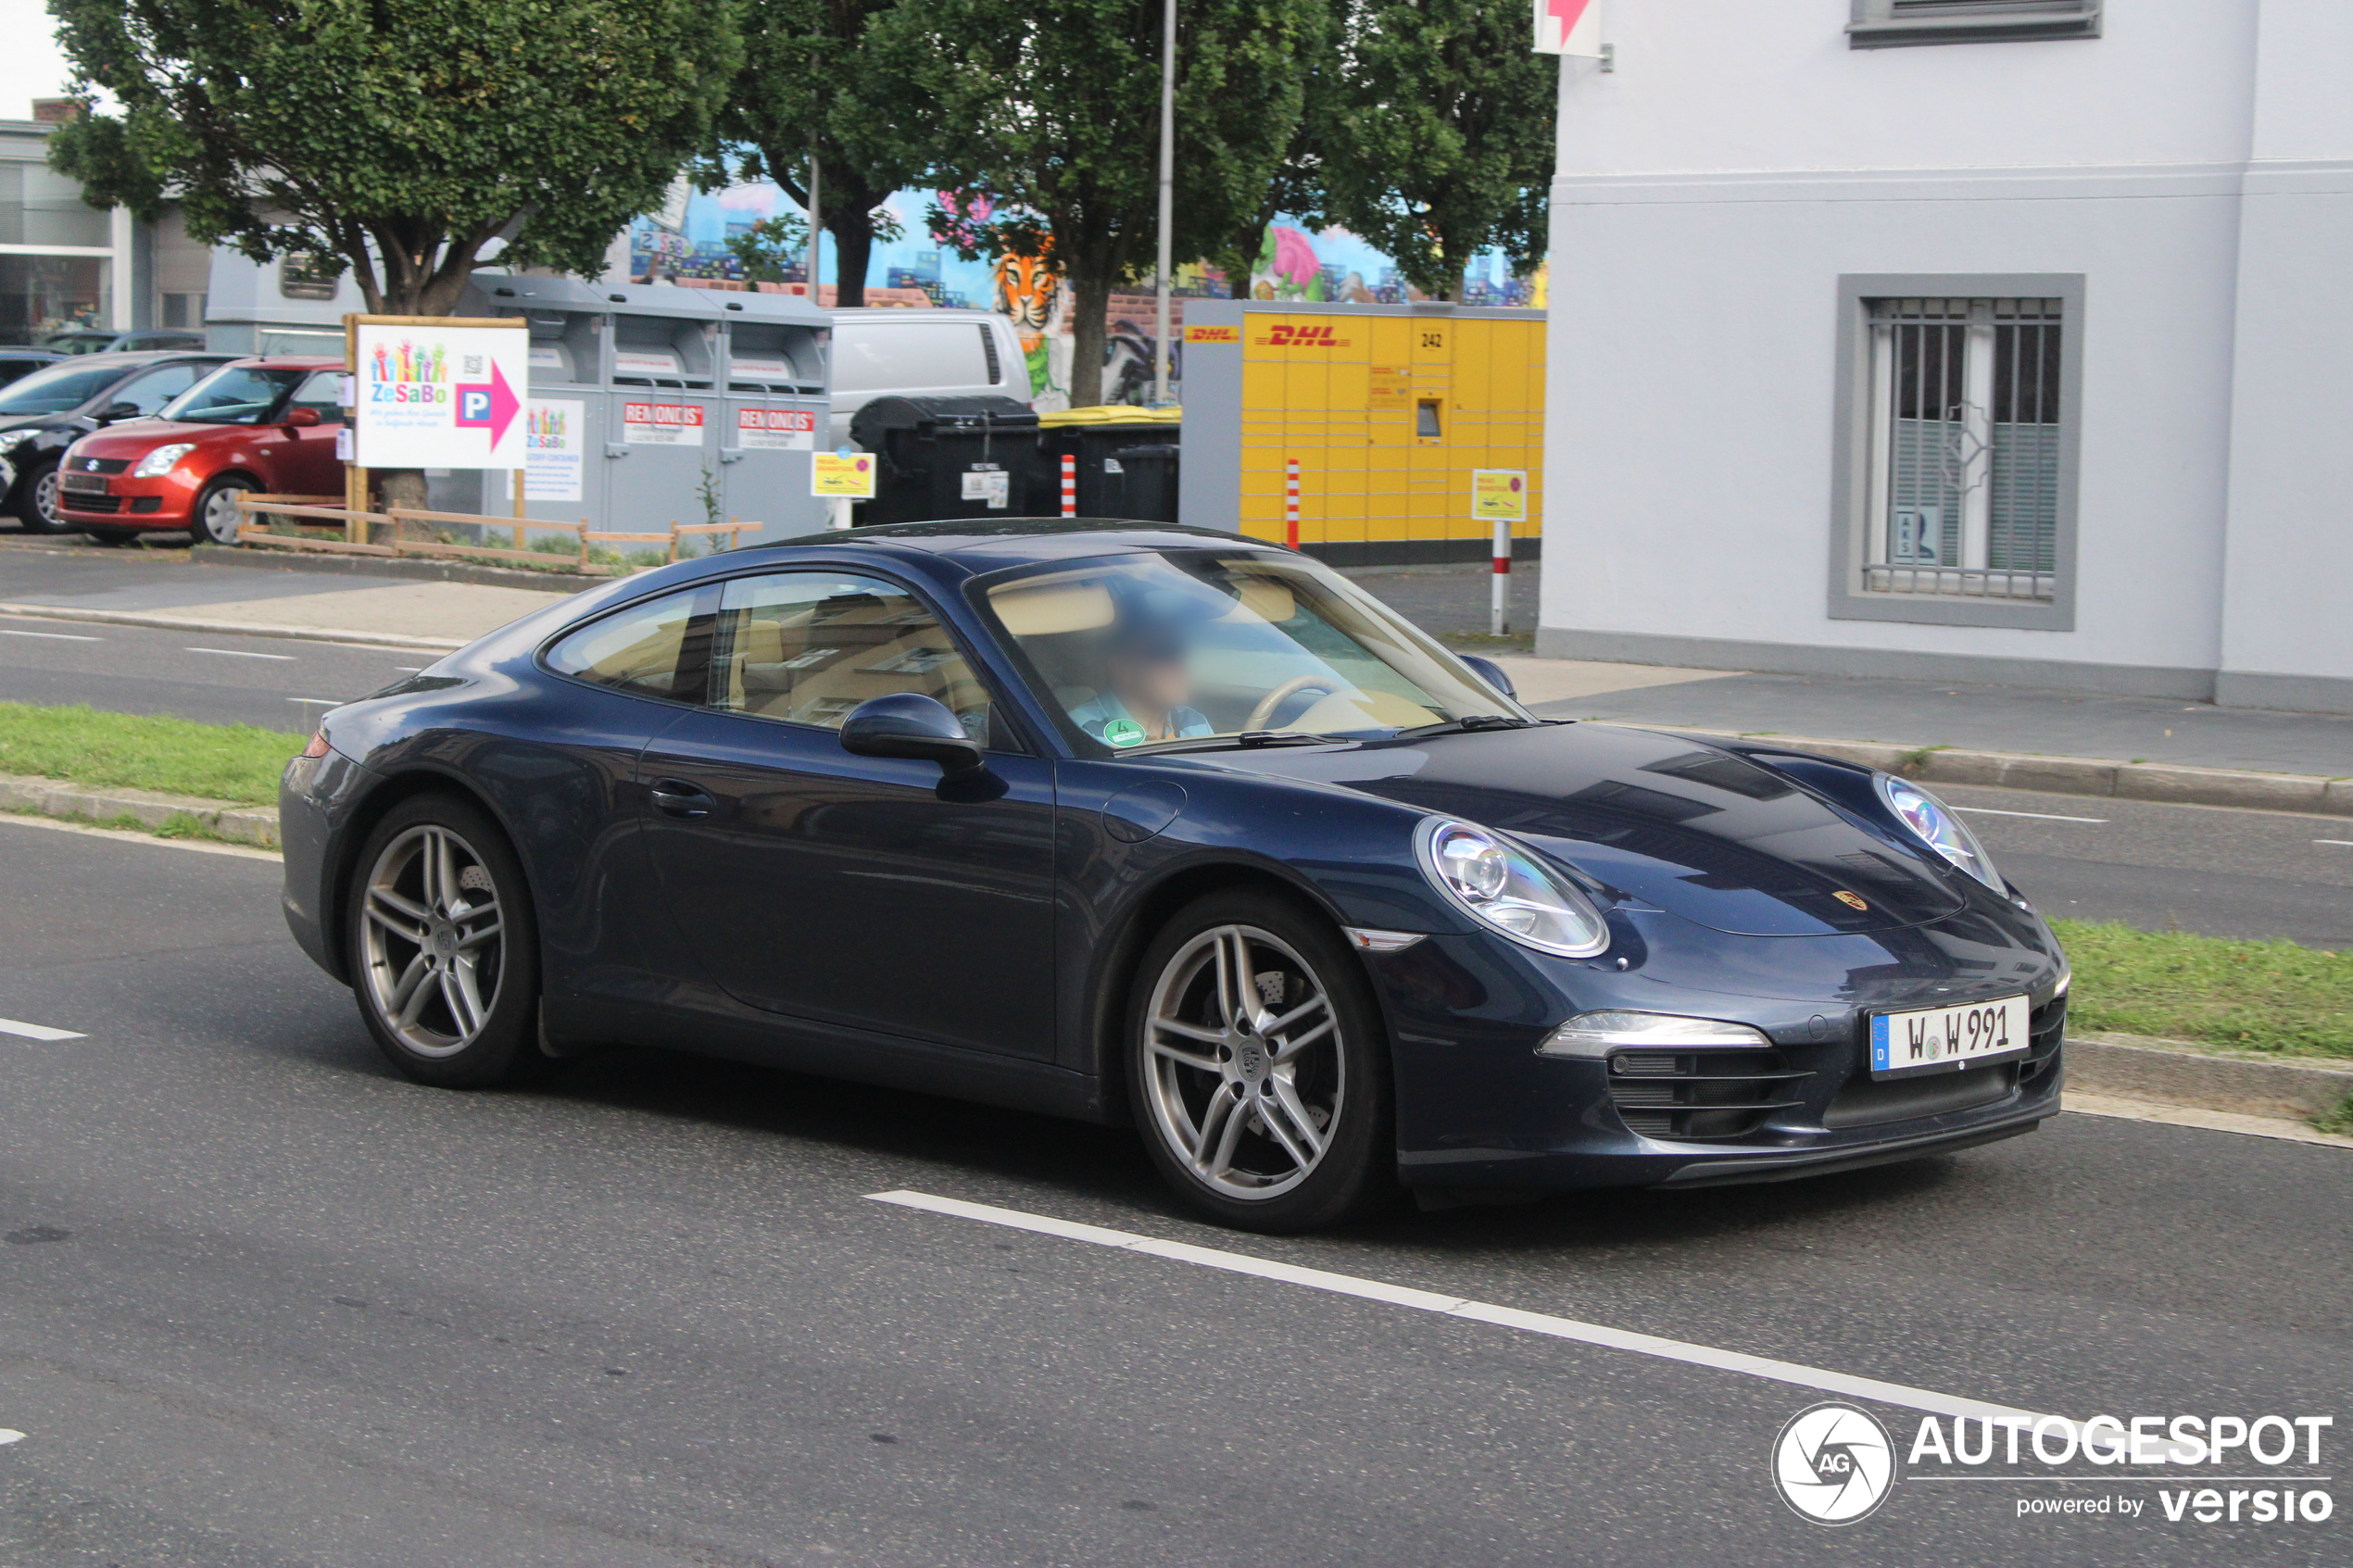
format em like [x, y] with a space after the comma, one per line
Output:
[51, 408]
[1143, 824]
[17, 363]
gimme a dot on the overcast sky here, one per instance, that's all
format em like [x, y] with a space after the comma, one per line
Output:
[30, 66]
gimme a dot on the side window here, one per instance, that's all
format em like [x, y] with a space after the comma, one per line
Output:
[158, 387]
[317, 393]
[661, 649]
[890, 355]
[808, 646]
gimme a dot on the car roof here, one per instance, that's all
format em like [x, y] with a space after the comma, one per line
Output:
[969, 547]
[290, 361]
[912, 312]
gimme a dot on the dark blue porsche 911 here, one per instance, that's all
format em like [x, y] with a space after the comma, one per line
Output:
[1135, 823]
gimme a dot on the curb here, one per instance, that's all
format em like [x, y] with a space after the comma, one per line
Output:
[164, 622]
[257, 826]
[2134, 1067]
[407, 569]
[2167, 783]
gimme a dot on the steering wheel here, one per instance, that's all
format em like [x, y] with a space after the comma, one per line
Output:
[1330, 685]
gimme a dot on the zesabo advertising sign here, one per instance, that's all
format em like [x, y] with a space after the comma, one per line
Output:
[435, 395]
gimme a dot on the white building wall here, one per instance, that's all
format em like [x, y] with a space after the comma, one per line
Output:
[1715, 186]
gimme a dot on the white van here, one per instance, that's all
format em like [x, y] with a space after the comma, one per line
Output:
[880, 350]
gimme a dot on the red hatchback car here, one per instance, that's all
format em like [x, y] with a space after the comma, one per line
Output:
[253, 424]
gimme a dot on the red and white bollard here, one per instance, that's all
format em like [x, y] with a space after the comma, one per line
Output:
[1070, 484]
[1291, 502]
[1499, 600]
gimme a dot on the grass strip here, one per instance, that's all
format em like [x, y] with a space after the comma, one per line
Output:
[85, 745]
[2273, 995]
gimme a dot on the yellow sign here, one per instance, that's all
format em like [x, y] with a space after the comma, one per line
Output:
[1212, 335]
[1389, 386]
[1499, 495]
[837, 474]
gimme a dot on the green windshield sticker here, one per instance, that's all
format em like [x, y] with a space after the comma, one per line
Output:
[1124, 732]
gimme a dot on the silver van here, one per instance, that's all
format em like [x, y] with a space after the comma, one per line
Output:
[880, 350]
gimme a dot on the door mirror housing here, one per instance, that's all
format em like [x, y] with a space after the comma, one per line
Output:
[301, 418]
[1491, 672]
[114, 411]
[910, 724]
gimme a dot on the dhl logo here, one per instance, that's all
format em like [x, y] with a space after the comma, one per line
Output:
[1212, 335]
[1301, 337]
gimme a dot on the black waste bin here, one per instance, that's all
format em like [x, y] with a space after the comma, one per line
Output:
[947, 458]
[1119, 472]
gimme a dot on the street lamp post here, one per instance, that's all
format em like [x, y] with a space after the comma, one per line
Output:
[1167, 197]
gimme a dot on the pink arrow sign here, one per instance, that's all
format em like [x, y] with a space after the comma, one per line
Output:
[504, 405]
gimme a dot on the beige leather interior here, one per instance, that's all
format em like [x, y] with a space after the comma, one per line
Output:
[813, 664]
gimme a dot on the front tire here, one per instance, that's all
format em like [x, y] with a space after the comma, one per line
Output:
[1259, 1066]
[214, 520]
[37, 507]
[444, 951]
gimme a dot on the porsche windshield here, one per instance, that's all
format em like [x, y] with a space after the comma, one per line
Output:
[1154, 649]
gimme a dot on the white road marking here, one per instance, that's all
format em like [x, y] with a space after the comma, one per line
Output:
[49, 636]
[201, 846]
[2340, 843]
[36, 1031]
[320, 701]
[1544, 1324]
[8, 1436]
[240, 653]
[2038, 816]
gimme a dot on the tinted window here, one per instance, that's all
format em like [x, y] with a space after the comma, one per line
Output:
[661, 649]
[58, 388]
[808, 646]
[234, 394]
[158, 387]
[888, 356]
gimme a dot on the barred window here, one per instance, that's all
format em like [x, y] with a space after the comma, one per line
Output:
[1881, 24]
[1963, 429]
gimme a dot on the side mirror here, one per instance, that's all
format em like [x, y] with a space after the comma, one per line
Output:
[1491, 672]
[910, 724]
[301, 418]
[114, 411]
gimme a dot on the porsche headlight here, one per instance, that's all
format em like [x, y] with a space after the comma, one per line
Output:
[1502, 885]
[1935, 824]
[158, 463]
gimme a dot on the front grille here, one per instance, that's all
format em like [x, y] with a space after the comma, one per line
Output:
[101, 465]
[1720, 1094]
[1864, 1102]
[2045, 1028]
[74, 501]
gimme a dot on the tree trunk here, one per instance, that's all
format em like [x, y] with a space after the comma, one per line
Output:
[853, 235]
[1090, 305]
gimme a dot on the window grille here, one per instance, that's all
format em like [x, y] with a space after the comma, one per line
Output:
[1965, 431]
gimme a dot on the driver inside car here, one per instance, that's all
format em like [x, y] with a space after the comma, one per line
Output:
[1148, 679]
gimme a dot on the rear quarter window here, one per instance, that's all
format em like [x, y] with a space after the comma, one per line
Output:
[899, 356]
[660, 648]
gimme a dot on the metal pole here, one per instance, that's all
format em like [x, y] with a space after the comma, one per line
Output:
[1167, 198]
[1499, 594]
[816, 232]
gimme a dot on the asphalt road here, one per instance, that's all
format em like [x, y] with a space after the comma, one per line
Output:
[277, 683]
[269, 1304]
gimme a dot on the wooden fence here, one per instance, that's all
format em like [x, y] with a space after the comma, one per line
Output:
[320, 513]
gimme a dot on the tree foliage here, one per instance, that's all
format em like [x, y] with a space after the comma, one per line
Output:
[401, 136]
[1440, 135]
[813, 83]
[1053, 108]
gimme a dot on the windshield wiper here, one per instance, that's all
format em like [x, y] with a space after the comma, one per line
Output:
[1471, 721]
[1248, 740]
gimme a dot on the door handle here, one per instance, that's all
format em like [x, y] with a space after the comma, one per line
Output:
[676, 797]
[616, 449]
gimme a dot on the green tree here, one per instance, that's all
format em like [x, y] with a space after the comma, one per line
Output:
[812, 83]
[1439, 142]
[1294, 186]
[1051, 107]
[401, 136]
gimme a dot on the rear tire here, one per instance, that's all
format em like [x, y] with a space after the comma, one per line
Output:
[443, 949]
[1259, 1066]
[214, 519]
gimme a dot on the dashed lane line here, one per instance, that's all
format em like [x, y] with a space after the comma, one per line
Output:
[37, 1031]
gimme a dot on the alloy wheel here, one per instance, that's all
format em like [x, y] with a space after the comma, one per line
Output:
[46, 492]
[1243, 1069]
[432, 945]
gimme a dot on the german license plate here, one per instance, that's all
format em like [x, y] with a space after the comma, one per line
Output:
[82, 483]
[1954, 1037]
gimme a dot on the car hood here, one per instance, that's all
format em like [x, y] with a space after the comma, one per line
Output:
[134, 438]
[1663, 820]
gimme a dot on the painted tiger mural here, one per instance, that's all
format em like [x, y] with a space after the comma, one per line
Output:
[1029, 290]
